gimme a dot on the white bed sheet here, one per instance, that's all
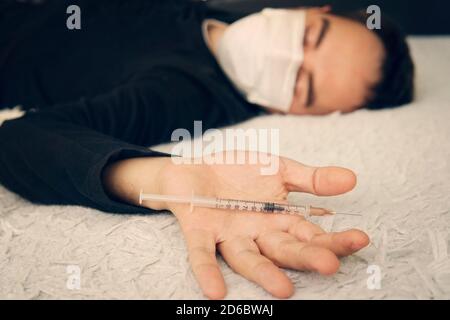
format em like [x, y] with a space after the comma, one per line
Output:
[402, 160]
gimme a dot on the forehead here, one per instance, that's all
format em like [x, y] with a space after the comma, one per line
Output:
[348, 64]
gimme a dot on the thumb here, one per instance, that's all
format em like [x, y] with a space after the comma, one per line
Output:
[323, 181]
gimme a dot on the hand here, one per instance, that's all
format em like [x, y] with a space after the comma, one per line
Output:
[257, 245]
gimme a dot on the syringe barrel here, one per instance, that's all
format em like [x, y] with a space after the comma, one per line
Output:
[193, 200]
[204, 202]
[164, 198]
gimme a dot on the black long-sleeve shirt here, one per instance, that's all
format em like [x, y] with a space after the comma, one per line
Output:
[136, 71]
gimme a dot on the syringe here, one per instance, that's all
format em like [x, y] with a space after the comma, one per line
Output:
[241, 205]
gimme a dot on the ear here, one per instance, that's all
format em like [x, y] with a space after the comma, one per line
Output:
[316, 10]
[325, 9]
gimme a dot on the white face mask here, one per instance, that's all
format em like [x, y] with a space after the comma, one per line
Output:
[262, 53]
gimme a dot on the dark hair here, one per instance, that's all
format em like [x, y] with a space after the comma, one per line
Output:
[396, 86]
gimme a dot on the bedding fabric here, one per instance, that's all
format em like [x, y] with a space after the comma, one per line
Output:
[401, 157]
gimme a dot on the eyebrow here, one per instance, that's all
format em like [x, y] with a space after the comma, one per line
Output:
[323, 31]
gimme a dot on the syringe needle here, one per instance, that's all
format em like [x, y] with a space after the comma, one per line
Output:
[347, 214]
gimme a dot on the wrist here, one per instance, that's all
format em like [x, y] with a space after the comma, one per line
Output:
[126, 178]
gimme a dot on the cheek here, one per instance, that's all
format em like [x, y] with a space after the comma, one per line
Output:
[334, 108]
[295, 107]
[301, 110]
[297, 98]
[319, 111]
[348, 110]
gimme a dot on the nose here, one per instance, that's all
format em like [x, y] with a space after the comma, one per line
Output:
[308, 59]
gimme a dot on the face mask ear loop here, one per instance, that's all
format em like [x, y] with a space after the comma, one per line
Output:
[298, 56]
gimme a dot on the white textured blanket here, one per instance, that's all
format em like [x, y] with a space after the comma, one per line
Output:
[402, 160]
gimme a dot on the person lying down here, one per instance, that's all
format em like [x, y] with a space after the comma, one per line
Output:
[97, 96]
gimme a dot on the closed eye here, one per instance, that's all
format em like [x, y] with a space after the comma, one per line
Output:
[323, 31]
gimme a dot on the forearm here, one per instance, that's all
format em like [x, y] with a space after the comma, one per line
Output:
[54, 162]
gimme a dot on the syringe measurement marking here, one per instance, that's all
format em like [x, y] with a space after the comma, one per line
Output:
[268, 207]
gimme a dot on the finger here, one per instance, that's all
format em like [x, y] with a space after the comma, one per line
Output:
[326, 181]
[202, 257]
[287, 252]
[243, 256]
[256, 223]
[304, 230]
[293, 224]
[342, 243]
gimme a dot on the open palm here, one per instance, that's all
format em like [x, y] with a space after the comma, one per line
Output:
[256, 245]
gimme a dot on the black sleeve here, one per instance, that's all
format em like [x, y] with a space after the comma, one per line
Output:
[56, 155]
